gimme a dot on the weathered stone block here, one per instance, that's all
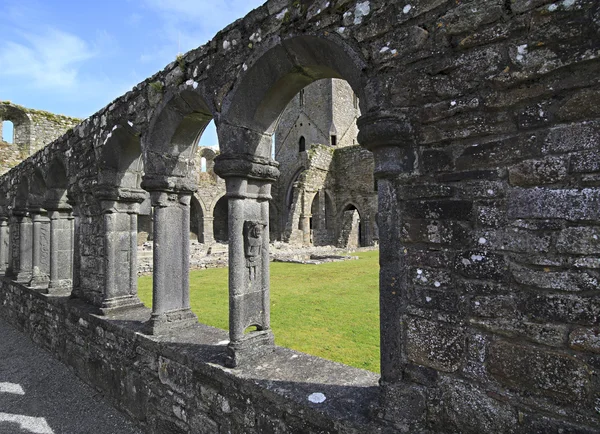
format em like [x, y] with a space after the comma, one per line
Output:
[579, 240]
[585, 162]
[546, 334]
[540, 371]
[535, 172]
[569, 204]
[573, 137]
[469, 409]
[561, 308]
[562, 281]
[582, 105]
[480, 264]
[494, 306]
[585, 339]
[435, 345]
[440, 209]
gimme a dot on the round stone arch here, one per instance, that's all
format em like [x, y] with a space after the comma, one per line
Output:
[120, 162]
[21, 124]
[283, 67]
[57, 183]
[197, 214]
[170, 142]
[350, 232]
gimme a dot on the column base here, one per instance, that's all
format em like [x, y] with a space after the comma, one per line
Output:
[166, 322]
[117, 304]
[251, 347]
[22, 277]
[60, 286]
[39, 282]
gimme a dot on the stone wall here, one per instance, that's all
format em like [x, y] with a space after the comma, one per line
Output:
[33, 129]
[482, 121]
[180, 384]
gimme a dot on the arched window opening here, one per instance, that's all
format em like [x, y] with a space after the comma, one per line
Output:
[355, 100]
[8, 132]
[302, 144]
[301, 97]
[333, 141]
[196, 221]
[221, 221]
[273, 139]
[208, 137]
[203, 165]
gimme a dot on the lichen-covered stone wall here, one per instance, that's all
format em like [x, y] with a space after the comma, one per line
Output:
[482, 121]
[33, 129]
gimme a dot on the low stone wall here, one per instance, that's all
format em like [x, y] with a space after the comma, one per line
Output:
[178, 383]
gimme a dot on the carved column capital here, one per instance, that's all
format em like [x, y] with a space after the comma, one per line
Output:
[390, 137]
[384, 129]
[169, 184]
[246, 166]
[117, 199]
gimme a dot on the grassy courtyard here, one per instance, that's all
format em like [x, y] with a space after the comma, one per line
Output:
[329, 310]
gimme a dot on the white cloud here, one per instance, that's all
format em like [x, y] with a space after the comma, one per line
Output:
[187, 24]
[48, 59]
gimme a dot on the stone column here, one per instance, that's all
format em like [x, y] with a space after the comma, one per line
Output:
[76, 249]
[21, 247]
[171, 265]
[61, 250]
[120, 208]
[248, 183]
[4, 244]
[207, 230]
[40, 269]
[389, 137]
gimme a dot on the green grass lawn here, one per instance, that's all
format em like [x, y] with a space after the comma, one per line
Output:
[329, 310]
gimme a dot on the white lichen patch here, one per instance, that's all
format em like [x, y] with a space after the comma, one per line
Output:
[427, 299]
[256, 36]
[226, 45]
[384, 49]
[362, 10]
[316, 398]
[476, 258]
[244, 67]
[191, 83]
[482, 240]
[437, 284]
[406, 9]
[340, 30]
[521, 52]
[281, 14]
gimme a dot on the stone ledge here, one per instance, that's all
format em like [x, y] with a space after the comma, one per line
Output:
[278, 386]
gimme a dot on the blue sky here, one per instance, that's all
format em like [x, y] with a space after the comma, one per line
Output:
[75, 56]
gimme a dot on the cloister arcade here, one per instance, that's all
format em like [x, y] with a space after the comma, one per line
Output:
[468, 224]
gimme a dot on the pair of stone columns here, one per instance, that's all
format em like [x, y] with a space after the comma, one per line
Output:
[40, 251]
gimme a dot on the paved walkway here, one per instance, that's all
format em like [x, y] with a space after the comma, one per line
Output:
[38, 394]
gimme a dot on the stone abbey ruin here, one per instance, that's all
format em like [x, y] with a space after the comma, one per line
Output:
[482, 118]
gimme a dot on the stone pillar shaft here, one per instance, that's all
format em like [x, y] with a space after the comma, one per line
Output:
[170, 285]
[4, 244]
[248, 191]
[21, 252]
[40, 251]
[207, 231]
[61, 250]
[120, 207]
[120, 241]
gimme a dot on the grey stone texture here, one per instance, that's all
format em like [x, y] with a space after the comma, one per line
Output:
[32, 130]
[482, 126]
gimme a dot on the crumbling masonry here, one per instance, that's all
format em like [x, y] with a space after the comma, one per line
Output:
[482, 118]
